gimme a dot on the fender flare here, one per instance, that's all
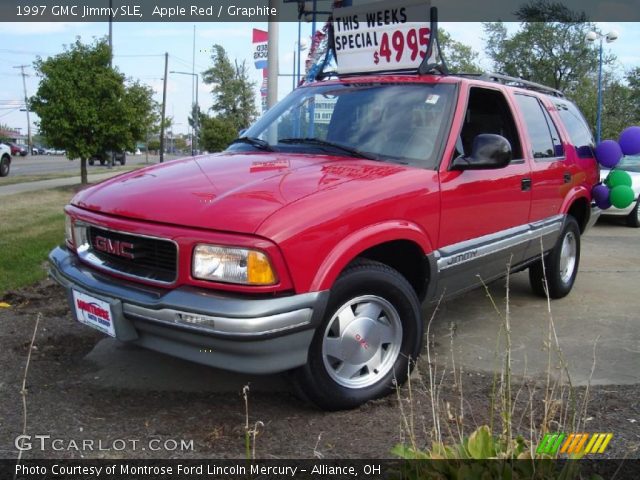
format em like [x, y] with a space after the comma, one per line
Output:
[577, 193]
[359, 241]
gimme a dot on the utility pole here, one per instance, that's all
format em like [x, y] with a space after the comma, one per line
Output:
[194, 141]
[111, 156]
[26, 106]
[164, 105]
[110, 33]
[272, 61]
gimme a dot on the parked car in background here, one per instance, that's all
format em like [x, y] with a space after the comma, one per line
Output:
[37, 150]
[5, 159]
[17, 149]
[630, 164]
[104, 157]
[54, 151]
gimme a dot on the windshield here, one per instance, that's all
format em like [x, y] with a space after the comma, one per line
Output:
[401, 123]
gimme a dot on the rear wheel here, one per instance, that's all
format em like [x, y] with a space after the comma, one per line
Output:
[5, 166]
[560, 265]
[633, 219]
[368, 341]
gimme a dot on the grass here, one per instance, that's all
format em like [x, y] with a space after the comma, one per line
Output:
[32, 224]
[11, 180]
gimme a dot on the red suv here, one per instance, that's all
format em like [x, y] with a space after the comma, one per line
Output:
[311, 242]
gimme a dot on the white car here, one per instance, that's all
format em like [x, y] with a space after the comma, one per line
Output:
[5, 159]
[631, 164]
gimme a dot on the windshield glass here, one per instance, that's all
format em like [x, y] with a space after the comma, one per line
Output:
[401, 123]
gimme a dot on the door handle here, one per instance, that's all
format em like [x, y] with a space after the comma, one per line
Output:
[567, 177]
[525, 185]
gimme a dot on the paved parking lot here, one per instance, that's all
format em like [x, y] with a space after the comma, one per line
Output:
[43, 164]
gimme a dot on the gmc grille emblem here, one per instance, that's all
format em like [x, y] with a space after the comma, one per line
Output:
[114, 247]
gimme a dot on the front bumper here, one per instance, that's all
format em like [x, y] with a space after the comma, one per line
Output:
[243, 334]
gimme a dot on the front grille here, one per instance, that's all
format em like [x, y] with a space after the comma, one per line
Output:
[153, 258]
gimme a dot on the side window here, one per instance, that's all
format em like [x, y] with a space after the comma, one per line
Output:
[545, 140]
[488, 112]
[577, 127]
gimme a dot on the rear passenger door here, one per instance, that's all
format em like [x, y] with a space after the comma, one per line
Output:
[550, 177]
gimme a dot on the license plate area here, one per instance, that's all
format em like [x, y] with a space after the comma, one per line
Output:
[94, 312]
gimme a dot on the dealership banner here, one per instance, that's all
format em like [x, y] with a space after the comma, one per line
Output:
[260, 46]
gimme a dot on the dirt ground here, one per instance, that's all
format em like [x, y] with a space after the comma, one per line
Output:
[67, 400]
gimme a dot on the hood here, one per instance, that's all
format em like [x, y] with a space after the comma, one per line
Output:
[224, 192]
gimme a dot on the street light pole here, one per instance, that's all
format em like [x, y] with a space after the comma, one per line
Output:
[610, 37]
[599, 114]
[196, 113]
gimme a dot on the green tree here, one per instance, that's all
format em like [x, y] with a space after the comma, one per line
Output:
[553, 54]
[232, 90]
[216, 133]
[459, 57]
[86, 107]
[548, 48]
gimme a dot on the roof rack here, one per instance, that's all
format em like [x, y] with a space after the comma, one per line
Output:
[513, 81]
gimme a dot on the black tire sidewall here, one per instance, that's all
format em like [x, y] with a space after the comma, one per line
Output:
[632, 219]
[4, 167]
[558, 288]
[364, 280]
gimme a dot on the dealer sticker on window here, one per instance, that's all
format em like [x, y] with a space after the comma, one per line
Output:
[94, 312]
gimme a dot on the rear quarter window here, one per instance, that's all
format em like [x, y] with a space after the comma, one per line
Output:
[577, 128]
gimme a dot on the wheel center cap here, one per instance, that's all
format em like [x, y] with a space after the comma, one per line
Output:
[360, 341]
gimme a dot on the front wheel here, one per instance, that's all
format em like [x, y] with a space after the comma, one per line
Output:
[368, 341]
[5, 166]
[560, 265]
[633, 219]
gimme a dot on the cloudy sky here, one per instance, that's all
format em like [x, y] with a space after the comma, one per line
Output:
[139, 53]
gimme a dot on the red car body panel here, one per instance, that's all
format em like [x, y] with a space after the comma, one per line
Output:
[313, 214]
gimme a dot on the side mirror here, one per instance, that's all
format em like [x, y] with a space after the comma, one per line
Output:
[489, 151]
[241, 132]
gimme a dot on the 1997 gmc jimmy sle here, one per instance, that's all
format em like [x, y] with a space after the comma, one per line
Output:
[311, 242]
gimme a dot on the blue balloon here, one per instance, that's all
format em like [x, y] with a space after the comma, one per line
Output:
[600, 194]
[608, 153]
[630, 141]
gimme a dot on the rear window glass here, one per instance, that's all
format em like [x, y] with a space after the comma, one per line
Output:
[579, 132]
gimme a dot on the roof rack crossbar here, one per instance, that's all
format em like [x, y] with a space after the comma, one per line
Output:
[513, 81]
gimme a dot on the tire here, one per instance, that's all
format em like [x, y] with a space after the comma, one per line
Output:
[102, 162]
[561, 264]
[633, 219]
[91, 162]
[382, 338]
[5, 166]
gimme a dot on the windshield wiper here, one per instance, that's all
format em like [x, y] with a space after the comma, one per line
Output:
[354, 152]
[254, 142]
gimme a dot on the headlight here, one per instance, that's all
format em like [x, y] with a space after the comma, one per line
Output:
[233, 265]
[68, 230]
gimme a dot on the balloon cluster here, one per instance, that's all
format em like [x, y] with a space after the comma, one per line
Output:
[616, 189]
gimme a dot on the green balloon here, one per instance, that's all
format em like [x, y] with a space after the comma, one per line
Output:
[621, 196]
[617, 178]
